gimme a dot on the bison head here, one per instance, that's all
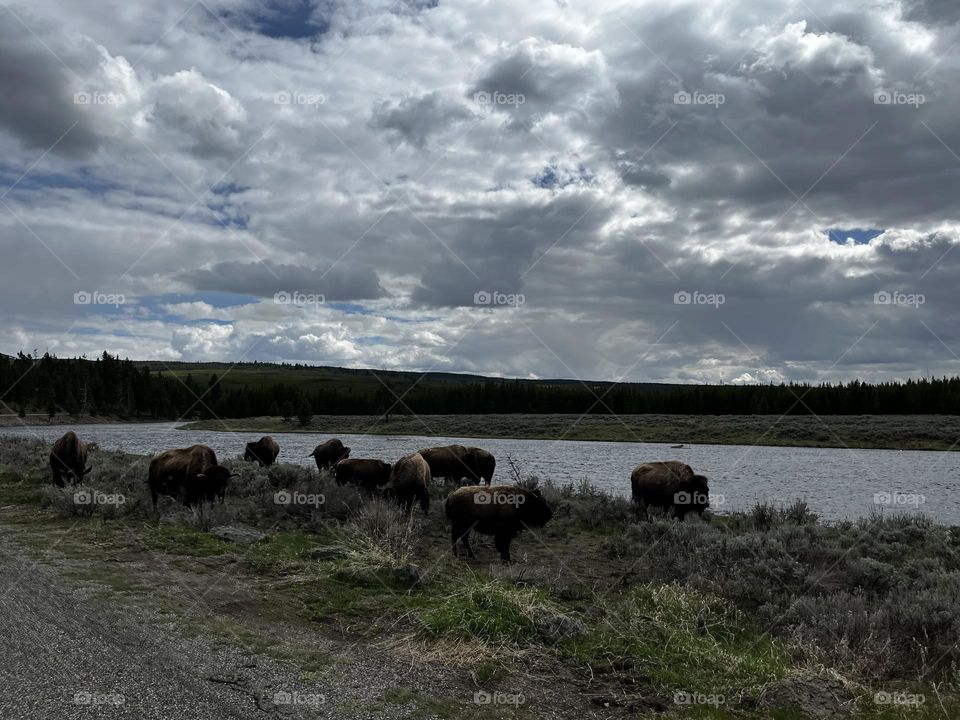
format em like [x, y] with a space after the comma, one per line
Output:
[251, 452]
[535, 512]
[345, 454]
[694, 495]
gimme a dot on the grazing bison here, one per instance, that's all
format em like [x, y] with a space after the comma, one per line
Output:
[483, 463]
[68, 459]
[263, 451]
[499, 510]
[452, 462]
[409, 480]
[670, 485]
[366, 474]
[191, 475]
[329, 453]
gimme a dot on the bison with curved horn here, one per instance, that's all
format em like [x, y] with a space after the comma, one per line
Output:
[329, 453]
[264, 451]
[192, 475]
[671, 486]
[68, 460]
[503, 511]
[409, 481]
[451, 462]
[367, 474]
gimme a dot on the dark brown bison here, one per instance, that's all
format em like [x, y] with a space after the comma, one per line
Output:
[499, 510]
[483, 464]
[68, 459]
[452, 462]
[263, 451]
[365, 474]
[329, 453]
[192, 475]
[670, 485]
[409, 480]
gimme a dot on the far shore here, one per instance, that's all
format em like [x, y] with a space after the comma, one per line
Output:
[883, 432]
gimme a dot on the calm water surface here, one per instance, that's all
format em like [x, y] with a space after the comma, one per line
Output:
[836, 483]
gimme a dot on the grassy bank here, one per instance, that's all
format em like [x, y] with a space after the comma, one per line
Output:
[765, 614]
[898, 432]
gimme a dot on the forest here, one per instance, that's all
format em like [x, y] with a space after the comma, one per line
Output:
[111, 387]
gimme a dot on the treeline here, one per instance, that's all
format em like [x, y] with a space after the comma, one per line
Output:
[109, 386]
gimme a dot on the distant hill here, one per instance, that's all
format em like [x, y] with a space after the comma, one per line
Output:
[321, 377]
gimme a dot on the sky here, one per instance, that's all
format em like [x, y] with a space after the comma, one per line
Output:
[701, 191]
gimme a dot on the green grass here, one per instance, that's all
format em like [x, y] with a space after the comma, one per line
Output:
[181, 540]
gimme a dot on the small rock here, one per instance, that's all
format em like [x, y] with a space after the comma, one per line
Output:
[328, 552]
[556, 626]
[232, 533]
[409, 574]
[814, 697]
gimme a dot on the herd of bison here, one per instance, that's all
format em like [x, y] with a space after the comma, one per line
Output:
[193, 476]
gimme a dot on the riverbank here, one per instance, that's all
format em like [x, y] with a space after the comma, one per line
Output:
[42, 419]
[763, 614]
[885, 432]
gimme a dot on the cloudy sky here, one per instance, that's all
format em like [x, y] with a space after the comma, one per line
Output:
[665, 191]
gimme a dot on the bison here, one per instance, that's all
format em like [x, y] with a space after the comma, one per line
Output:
[263, 451]
[670, 485]
[329, 453]
[365, 474]
[499, 510]
[483, 464]
[409, 480]
[68, 459]
[452, 462]
[191, 475]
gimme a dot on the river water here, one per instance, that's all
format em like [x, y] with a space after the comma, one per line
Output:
[835, 483]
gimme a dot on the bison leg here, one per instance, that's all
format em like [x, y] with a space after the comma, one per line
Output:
[425, 501]
[463, 535]
[502, 541]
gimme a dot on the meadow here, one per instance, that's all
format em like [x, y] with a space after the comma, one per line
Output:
[770, 613]
[898, 432]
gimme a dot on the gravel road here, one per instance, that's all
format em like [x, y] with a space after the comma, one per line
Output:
[65, 652]
[72, 646]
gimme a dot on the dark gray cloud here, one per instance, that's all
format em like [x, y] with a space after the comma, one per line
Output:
[415, 119]
[38, 89]
[266, 278]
